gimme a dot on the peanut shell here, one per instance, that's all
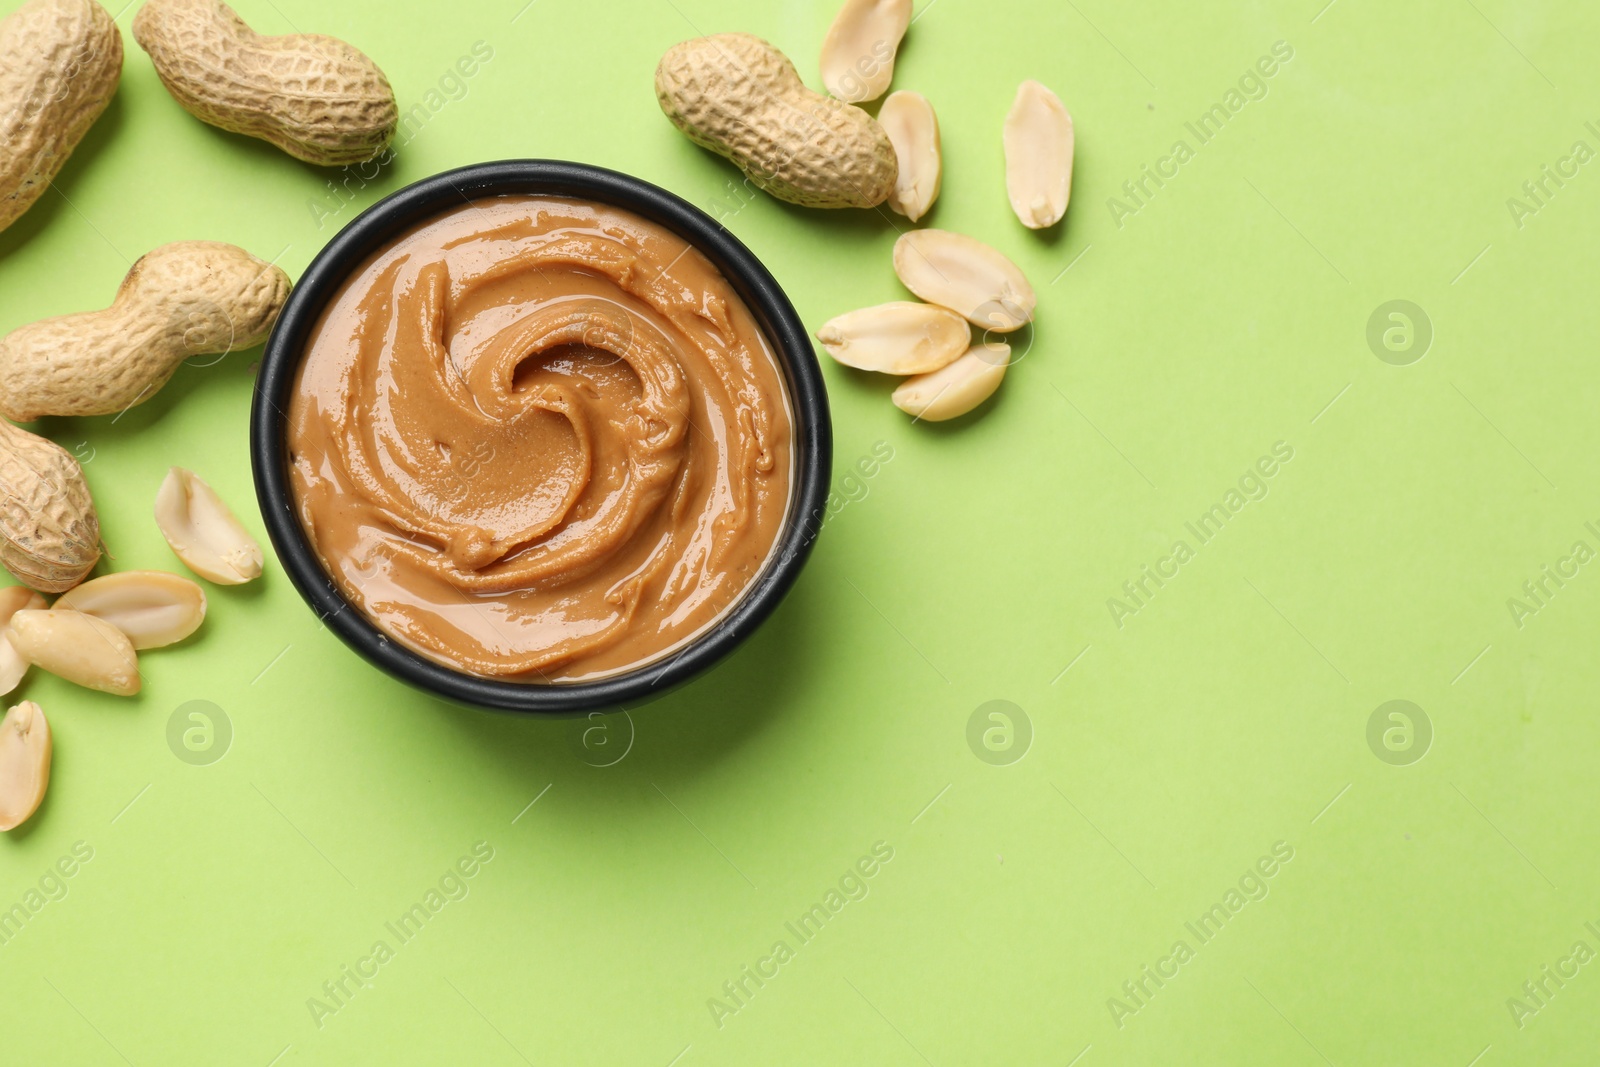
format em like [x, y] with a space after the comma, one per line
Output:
[316, 97]
[60, 61]
[49, 532]
[740, 97]
[184, 299]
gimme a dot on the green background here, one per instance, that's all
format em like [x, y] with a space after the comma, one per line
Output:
[1229, 713]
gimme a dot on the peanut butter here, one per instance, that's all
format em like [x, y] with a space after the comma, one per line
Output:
[540, 439]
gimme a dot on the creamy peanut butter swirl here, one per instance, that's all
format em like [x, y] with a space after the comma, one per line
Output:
[540, 439]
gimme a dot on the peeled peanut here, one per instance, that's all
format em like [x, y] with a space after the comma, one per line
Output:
[24, 763]
[913, 129]
[59, 65]
[80, 648]
[181, 300]
[153, 608]
[957, 388]
[740, 97]
[858, 53]
[1038, 140]
[901, 337]
[966, 276]
[317, 98]
[12, 666]
[49, 532]
[203, 532]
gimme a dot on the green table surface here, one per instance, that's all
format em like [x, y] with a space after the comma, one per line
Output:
[1078, 881]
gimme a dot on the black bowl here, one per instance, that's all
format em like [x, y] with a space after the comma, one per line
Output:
[386, 220]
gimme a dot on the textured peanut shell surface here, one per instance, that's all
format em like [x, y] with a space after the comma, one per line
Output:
[59, 65]
[740, 97]
[316, 97]
[49, 533]
[184, 299]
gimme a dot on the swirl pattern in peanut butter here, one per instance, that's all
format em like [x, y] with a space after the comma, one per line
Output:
[540, 439]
